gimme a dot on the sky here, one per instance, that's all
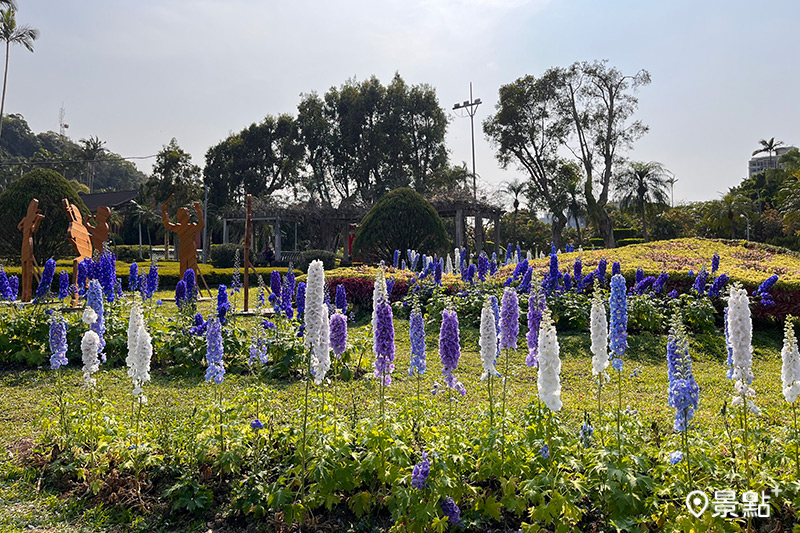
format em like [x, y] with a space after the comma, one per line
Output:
[136, 74]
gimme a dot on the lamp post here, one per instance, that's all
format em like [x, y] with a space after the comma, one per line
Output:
[471, 106]
[672, 181]
[747, 218]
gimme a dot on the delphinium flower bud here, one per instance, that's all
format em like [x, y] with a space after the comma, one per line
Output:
[140, 350]
[451, 510]
[94, 300]
[214, 352]
[378, 294]
[599, 331]
[321, 350]
[180, 293]
[449, 345]
[509, 320]
[549, 381]
[448, 265]
[286, 299]
[699, 285]
[275, 288]
[437, 272]
[618, 331]
[152, 279]
[493, 265]
[536, 305]
[338, 334]
[396, 259]
[384, 343]
[483, 266]
[416, 333]
[5, 289]
[107, 275]
[341, 298]
[290, 279]
[740, 331]
[488, 341]
[509, 252]
[222, 304]
[90, 344]
[190, 280]
[658, 284]
[684, 394]
[639, 275]
[420, 473]
[47, 279]
[496, 312]
[63, 285]
[301, 299]
[58, 341]
[133, 278]
[615, 269]
[715, 263]
[601, 271]
[718, 285]
[790, 370]
[13, 288]
[525, 284]
[577, 270]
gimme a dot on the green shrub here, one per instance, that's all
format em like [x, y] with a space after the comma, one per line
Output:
[626, 242]
[401, 220]
[328, 259]
[646, 314]
[624, 233]
[597, 242]
[223, 255]
[50, 188]
[130, 253]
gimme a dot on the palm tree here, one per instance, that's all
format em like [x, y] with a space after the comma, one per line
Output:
[722, 215]
[768, 146]
[515, 188]
[91, 149]
[10, 33]
[643, 185]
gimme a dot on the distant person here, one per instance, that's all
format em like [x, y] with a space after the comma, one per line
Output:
[269, 255]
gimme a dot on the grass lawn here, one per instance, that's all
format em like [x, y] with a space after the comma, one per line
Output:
[27, 396]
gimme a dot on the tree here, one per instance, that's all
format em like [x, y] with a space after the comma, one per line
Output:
[400, 220]
[10, 34]
[90, 151]
[261, 159]
[514, 188]
[768, 146]
[50, 188]
[576, 206]
[791, 162]
[527, 130]
[642, 185]
[362, 140]
[722, 216]
[173, 173]
[599, 102]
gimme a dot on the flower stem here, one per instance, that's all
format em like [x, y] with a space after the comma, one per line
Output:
[221, 439]
[796, 451]
[305, 426]
[746, 451]
[686, 444]
[600, 409]
[619, 414]
[138, 417]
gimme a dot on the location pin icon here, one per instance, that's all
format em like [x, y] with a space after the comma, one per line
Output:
[697, 502]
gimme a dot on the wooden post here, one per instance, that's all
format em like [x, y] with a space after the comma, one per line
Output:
[225, 231]
[478, 234]
[497, 234]
[247, 224]
[277, 239]
[459, 228]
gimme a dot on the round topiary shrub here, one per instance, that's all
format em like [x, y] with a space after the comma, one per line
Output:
[401, 220]
[50, 188]
[224, 255]
[328, 259]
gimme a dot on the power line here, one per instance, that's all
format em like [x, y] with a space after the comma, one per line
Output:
[64, 161]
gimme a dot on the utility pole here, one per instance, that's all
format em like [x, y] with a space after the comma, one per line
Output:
[672, 181]
[471, 106]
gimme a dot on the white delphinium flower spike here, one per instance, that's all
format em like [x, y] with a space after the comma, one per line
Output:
[321, 352]
[549, 364]
[740, 330]
[790, 371]
[488, 341]
[315, 300]
[90, 344]
[378, 295]
[448, 265]
[599, 329]
[140, 350]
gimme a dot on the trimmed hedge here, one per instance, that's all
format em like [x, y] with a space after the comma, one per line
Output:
[328, 259]
[224, 255]
[627, 242]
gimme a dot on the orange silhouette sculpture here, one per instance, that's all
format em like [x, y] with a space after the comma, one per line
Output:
[79, 238]
[28, 226]
[99, 232]
[186, 234]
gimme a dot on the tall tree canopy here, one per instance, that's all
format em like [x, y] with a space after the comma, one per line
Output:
[11, 33]
[174, 173]
[363, 139]
[641, 185]
[527, 130]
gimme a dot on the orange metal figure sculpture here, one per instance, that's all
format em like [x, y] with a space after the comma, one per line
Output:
[186, 234]
[100, 229]
[79, 238]
[28, 226]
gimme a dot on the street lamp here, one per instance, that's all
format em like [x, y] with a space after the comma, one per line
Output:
[471, 106]
[747, 218]
[672, 181]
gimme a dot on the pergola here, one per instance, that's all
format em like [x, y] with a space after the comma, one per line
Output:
[342, 218]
